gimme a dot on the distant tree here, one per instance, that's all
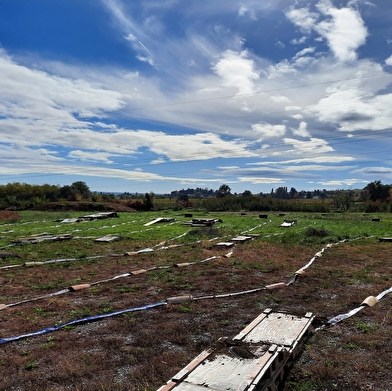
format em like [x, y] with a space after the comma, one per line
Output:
[148, 200]
[108, 197]
[343, 199]
[293, 193]
[281, 192]
[81, 189]
[378, 191]
[183, 197]
[363, 196]
[247, 193]
[68, 193]
[223, 191]
[50, 192]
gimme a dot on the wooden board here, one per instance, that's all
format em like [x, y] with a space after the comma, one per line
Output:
[278, 328]
[256, 359]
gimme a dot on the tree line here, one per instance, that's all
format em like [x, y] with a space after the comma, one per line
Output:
[374, 197]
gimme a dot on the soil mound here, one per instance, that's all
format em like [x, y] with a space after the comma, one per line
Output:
[7, 215]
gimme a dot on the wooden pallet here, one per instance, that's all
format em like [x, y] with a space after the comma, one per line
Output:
[256, 359]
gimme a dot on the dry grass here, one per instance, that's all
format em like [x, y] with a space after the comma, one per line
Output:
[142, 350]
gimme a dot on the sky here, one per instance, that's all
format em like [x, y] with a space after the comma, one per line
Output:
[163, 95]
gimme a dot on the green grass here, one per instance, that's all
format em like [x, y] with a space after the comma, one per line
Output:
[311, 228]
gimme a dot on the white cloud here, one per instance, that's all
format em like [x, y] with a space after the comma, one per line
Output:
[281, 69]
[158, 161]
[237, 70]
[388, 61]
[302, 130]
[343, 182]
[298, 41]
[354, 109]
[280, 99]
[327, 158]
[313, 146]
[302, 18]
[293, 108]
[264, 130]
[37, 94]
[202, 146]
[261, 180]
[91, 156]
[304, 52]
[246, 12]
[298, 116]
[130, 37]
[344, 31]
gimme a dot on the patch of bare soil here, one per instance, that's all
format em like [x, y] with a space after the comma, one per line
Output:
[142, 350]
[7, 215]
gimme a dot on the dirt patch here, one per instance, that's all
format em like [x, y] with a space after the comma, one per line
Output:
[7, 215]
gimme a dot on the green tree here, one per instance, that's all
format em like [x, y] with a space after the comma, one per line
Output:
[81, 189]
[183, 197]
[223, 191]
[68, 193]
[247, 193]
[378, 191]
[281, 192]
[148, 201]
[343, 199]
[293, 192]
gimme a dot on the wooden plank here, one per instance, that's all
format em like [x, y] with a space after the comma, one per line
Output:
[140, 271]
[108, 239]
[226, 373]
[224, 244]
[279, 329]
[192, 365]
[159, 220]
[79, 287]
[167, 387]
[241, 238]
[250, 327]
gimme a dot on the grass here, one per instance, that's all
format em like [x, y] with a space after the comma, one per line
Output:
[142, 350]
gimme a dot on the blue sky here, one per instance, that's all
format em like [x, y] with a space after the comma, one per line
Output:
[161, 95]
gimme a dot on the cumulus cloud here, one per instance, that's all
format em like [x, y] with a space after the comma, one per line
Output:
[237, 70]
[302, 18]
[302, 130]
[352, 110]
[264, 130]
[344, 30]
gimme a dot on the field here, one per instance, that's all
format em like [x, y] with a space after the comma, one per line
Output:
[140, 340]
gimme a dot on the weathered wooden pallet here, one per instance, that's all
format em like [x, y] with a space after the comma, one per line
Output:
[256, 359]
